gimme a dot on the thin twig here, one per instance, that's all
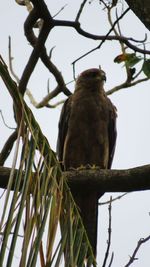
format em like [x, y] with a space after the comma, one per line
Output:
[109, 235]
[133, 257]
[119, 33]
[59, 11]
[113, 199]
[129, 77]
[56, 104]
[46, 99]
[125, 85]
[10, 60]
[80, 10]
[105, 38]
[74, 71]
[11, 128]
[111, 259]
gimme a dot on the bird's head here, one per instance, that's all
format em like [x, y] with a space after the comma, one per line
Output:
[91, 77]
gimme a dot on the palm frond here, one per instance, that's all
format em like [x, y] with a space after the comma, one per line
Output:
[40, 200]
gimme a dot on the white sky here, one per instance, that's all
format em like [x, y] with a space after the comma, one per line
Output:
[130, 217]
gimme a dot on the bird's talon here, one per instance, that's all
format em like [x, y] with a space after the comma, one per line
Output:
[82, 167]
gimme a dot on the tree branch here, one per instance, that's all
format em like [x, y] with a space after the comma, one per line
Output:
[133, 257]
[80, 10]
[5, 152]
[40, 10]
[40, 50]
[125, 85]
[48, 97]
[109, 234]
[135, 179]
[126, 40]
[32, 18]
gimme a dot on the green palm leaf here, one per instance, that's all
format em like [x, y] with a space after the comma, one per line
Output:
[40, 200]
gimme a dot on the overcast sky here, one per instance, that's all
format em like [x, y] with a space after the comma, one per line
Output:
[130, 216]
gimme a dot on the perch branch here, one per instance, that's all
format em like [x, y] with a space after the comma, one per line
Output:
[135, 179]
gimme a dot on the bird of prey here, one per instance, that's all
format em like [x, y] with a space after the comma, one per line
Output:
[87, 137]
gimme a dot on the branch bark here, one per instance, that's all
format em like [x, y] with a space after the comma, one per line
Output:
[135, 179]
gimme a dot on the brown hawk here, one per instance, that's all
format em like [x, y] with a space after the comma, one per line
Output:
[87, 136]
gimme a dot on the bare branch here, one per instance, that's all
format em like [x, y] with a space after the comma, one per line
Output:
[76, 26]
[135, 179]
[11, 128]
[56, 104]
[47, 98]
[129, 75]
[125, 85]
[39, 50]
[80, 10]
[126, 40]
[123, 48]
[111, 259]
[113, 199]
[57, 74]
[59, 11]
[10, 61]
[5, 152]
[33, 16]
[104, 39]
[133, 257]
[109, 234]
